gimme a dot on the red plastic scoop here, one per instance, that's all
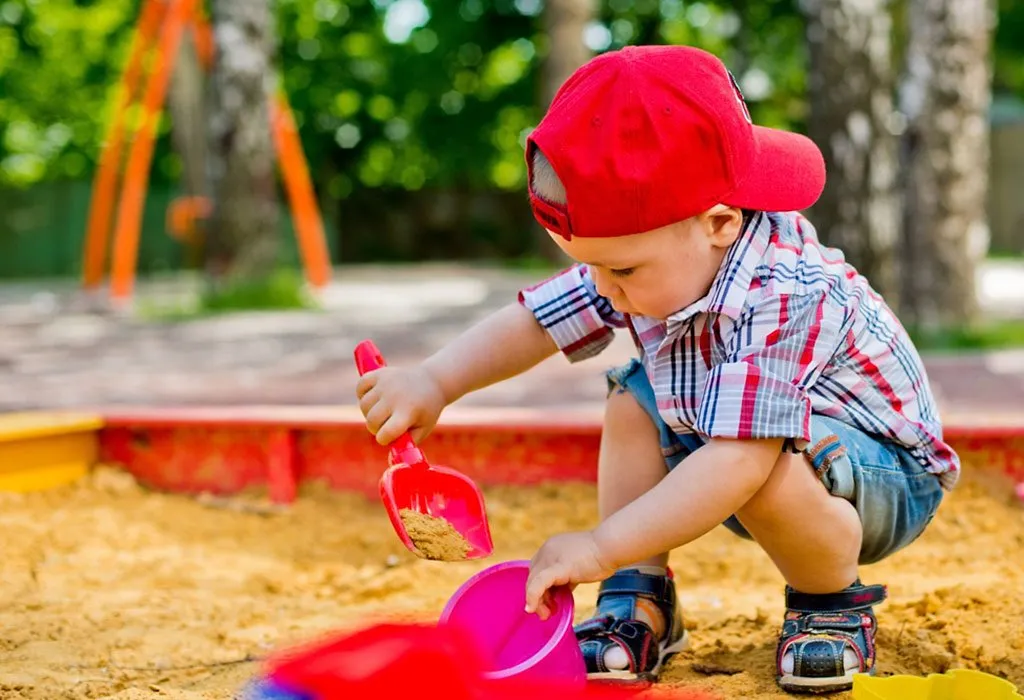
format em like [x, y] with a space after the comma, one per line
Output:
[437, 512]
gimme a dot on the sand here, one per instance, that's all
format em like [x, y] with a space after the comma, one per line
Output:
[435, 538]
[108, 591]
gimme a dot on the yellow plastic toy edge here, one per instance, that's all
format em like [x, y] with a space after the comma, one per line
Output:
[958, 684]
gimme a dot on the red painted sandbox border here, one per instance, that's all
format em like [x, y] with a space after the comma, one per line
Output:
[225, 450]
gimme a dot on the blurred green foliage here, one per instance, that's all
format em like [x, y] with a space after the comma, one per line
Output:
[59, 67]
[392, 96]
[284, 289]
[1009, 52]
[990, 335]
[448, 103]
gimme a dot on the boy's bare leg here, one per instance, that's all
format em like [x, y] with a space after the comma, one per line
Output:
[630, 462]
[813, 537]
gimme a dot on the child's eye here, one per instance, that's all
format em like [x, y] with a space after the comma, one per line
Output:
[624, 272]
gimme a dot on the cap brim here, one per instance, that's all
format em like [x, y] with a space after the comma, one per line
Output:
[788, 173]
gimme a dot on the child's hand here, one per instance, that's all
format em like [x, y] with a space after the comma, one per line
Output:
[564, 560]
[394, 400]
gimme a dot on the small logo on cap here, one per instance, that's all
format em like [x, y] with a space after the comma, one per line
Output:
[739, 97]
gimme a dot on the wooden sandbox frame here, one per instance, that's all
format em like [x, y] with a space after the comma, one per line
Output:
[226, 450]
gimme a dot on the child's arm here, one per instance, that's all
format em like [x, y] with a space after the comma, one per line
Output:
[703, 491]
[503, 345]
[708, 486]
[563, 313]
[396, 399]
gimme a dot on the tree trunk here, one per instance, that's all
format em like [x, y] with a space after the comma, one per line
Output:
[945, 95]
[564, 22]
[851, 120]
[188, 118]
[243, 235]
[185, 104]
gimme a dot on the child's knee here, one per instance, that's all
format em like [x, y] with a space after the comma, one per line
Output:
[767, 500]
[791, 487]
[623, 406]
[624, 416]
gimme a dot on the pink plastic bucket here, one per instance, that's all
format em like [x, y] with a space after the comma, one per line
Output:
[515, 644]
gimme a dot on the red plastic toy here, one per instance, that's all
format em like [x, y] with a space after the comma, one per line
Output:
[412, 483]
[412, 661]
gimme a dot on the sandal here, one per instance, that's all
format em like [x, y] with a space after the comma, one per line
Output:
[615, 623]
[819, 629]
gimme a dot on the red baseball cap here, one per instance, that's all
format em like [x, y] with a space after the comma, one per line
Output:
[647, 136]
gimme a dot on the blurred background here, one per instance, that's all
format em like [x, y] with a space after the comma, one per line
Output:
[409, 119]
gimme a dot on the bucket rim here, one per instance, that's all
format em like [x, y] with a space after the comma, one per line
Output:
[564, 610]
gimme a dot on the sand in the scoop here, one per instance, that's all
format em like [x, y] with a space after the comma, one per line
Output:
[434, 537]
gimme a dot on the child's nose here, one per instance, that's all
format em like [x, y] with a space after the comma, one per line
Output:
[605, 287]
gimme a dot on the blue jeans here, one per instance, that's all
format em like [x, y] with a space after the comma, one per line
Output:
[894, 495]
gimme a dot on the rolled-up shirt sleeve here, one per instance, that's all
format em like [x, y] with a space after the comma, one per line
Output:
[580, 321]
[779, 348]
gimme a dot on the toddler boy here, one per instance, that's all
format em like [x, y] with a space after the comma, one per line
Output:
[774, 391]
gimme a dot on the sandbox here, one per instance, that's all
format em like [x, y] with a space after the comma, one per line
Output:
[110, 590]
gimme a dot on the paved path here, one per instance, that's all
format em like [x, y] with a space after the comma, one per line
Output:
[55, 352]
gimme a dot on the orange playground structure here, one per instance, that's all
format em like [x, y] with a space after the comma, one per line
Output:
[160, 30]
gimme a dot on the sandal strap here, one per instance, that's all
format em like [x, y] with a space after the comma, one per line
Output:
[629, 582]
[614, 622]
[855, 597]
[811, 623]
[819, 627]
[598, 625]
[632, 636]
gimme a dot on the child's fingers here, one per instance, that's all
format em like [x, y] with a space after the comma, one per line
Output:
[396, 424]
[376, 417]
[546, 608]
[419, 433]
[368, 400]
[365, 383]
[536, 586]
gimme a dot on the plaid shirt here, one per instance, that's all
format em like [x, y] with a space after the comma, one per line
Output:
[787, 330]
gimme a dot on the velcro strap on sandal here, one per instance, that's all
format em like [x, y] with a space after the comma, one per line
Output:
[630, 631]
[635, 638]
[606, 626]
[855, 597]
[659, 588]
[594, 627]
[816, 622]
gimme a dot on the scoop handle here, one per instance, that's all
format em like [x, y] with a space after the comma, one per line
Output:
[368, 357]
[403, 450]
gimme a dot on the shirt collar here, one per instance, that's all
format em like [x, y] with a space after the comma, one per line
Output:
[728, 293]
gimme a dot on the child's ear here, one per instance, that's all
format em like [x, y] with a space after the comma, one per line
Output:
[723, 225]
